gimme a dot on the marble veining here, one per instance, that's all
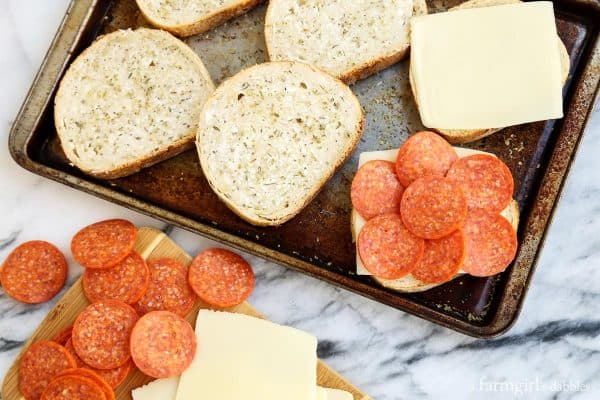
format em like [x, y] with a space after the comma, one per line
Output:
[552, 352]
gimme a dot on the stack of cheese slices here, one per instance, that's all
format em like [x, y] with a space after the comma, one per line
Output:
[243, 357]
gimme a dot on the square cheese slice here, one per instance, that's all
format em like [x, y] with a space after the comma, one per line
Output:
[166, 389]
[242, 357]
[160, 389]
[333, 394]
[487, 67]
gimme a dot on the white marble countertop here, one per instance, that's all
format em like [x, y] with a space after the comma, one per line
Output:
[553, 351]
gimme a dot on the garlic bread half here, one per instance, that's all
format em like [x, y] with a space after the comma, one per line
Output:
[348, 39]
[130, 100]
[190, 17]
[272, 135]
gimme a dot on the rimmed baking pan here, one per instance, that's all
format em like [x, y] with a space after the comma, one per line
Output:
[318, 241]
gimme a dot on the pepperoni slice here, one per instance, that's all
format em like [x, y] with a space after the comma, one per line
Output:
[41, 363]
[433, 207]
[375, 189]
[63, 336]
[101, 334]
[424, 153]
[127, 281]
[442, 258]
[485, 180]
[162, 344]
[93, 376]
[71, 387]
[491, 243]
[103, 244]
[34, 272]
[69, 347]
[387, 249]
[114, 376]
[168, 290]
[221, 278]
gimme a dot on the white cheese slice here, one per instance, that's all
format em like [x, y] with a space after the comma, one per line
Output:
[386, 155]
[160, 389]
[333, 394]
[321, 393]
[487, 67]
[166, 389]
[242, 357]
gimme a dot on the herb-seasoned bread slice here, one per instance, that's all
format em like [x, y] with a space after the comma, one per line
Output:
[130, 100]
[470, 135]
[408, 283]
[272, 135]
[348, 39]
[190, 17]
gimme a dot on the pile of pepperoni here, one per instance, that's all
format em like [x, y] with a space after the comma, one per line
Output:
[432, 214]
[136, 315]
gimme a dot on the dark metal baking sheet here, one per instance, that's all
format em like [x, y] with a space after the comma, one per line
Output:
[318, 240]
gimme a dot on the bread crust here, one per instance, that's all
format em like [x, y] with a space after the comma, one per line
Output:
[460, 136]
[206, 22]
[132, 167]
[369, 68]
[341, 159]
[374, 66]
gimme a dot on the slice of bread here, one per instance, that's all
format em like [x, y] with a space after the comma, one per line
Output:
[470, 135]
[130, 100]
[272, 135]
[408, 283]
[348, 39]
[190, 17]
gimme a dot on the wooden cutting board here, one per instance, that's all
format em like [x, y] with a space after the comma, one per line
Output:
[151, 243]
